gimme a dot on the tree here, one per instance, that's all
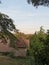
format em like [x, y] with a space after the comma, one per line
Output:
[37, 47]
[41, 34]
[6, 25]
[47, 47]
[39, 2]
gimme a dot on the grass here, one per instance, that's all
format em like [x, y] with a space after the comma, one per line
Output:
[11, 61]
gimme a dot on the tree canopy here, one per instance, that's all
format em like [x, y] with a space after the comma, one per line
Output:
[6, 26]
[39, 47]
[39, 2]
[6, 23]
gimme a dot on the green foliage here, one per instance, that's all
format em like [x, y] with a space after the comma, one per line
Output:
[47, 47]
[6, 23]
[26, 36]
[6, 26]
[4, 60]
[38, 48]
[39, 2]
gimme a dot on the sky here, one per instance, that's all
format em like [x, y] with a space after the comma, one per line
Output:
[27, 18]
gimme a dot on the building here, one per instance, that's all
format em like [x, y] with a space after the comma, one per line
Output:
[21, 47]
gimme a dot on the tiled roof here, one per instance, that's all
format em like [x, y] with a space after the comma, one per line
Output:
[5, 48]
[22, 43]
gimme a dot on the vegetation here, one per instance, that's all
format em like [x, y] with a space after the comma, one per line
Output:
[6, 23]
[39, 47]
[38, 54]
[39, 2]
[39, 41]
[26, 36]
[6, 26]
[17, 61]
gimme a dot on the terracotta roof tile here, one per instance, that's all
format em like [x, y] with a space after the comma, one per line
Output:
[22, 43]
[4, 48]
